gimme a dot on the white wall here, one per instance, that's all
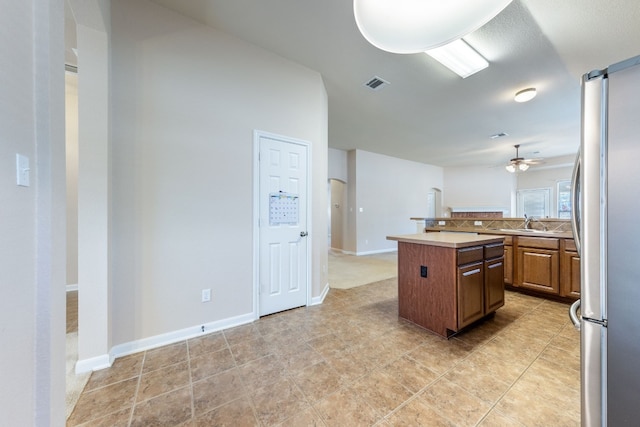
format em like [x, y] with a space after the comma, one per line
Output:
[389, 191]
[471, 187]
[94, 125]
[338, 165]
[32, 221]
[186, 100]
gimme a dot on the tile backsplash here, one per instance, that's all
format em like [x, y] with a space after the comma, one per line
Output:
[551, 224]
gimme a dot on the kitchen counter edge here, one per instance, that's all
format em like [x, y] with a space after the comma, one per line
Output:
[488, 231]
[448, 240]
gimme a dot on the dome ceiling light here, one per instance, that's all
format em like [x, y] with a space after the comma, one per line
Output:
[525, 94]
[413, 26]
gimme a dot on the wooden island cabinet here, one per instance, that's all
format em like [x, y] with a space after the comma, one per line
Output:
[447, 281]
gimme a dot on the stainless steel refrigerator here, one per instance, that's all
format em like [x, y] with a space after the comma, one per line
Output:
[606, 226]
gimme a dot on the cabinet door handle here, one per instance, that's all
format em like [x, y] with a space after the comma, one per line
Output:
[469, 273]
[497, 264]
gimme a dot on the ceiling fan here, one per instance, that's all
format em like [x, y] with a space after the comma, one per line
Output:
[520, 163]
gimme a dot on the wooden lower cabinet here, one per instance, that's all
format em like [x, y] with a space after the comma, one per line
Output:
[569, 270]
[445, 289]
[493, 284]
[470, 293]
[548, 266]
[539, 269]
[508, 261]
[538, 264]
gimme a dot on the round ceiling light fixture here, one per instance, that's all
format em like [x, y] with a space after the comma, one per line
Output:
[525, 95]
[413, 26]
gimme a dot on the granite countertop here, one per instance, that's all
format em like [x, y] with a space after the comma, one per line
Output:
[448, 240]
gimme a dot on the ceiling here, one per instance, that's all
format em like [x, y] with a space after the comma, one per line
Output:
[427, 113]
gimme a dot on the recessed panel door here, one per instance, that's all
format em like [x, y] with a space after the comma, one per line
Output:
[283, 263]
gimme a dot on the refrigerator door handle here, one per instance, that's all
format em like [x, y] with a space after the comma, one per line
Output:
[573, 314]
[575, 201]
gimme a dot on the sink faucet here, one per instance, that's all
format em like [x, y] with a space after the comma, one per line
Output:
[528, 220]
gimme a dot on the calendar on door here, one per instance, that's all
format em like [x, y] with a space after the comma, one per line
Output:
[283, 208]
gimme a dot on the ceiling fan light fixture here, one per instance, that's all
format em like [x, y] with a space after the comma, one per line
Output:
[413, 26]
[519, 164]
[525, 95]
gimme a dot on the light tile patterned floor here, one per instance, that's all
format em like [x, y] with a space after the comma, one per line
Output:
[348, 362]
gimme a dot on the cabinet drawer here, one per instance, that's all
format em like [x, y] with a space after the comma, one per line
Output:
[493, 251]
[539, 242]
[468, 255]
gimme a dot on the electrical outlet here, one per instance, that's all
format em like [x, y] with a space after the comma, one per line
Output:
[206, 295]
[442, 222]
[477, 222]
[423, 271]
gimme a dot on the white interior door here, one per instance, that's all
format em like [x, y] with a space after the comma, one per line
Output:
[283, 241]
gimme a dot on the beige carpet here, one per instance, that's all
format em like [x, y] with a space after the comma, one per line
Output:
[75, 383]
[349, 271]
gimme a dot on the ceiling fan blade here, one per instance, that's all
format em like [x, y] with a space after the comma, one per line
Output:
[534, 161]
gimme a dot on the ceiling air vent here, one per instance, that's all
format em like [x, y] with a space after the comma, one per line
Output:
[498, 135]
[376, 83]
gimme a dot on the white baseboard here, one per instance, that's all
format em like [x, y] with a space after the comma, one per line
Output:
[156, 341]
[125, 349]
[380, 251]
[71, 288]
[93, 364]
[320, 299]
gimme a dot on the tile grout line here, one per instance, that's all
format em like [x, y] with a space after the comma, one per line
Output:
[521, 375]
[193, 409]
[242, 382]
[441, 376]
[135, 394]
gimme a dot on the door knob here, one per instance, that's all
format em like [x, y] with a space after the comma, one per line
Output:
[303, 234]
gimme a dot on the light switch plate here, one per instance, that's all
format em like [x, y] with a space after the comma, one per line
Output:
[22, 170]
[477, 222]
[442, 222]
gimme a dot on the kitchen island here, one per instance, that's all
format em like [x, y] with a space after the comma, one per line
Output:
[447, 281]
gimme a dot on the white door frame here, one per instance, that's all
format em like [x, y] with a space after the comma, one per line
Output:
[257, 134]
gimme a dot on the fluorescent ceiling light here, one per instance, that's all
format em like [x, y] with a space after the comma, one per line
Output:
[459, 57]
